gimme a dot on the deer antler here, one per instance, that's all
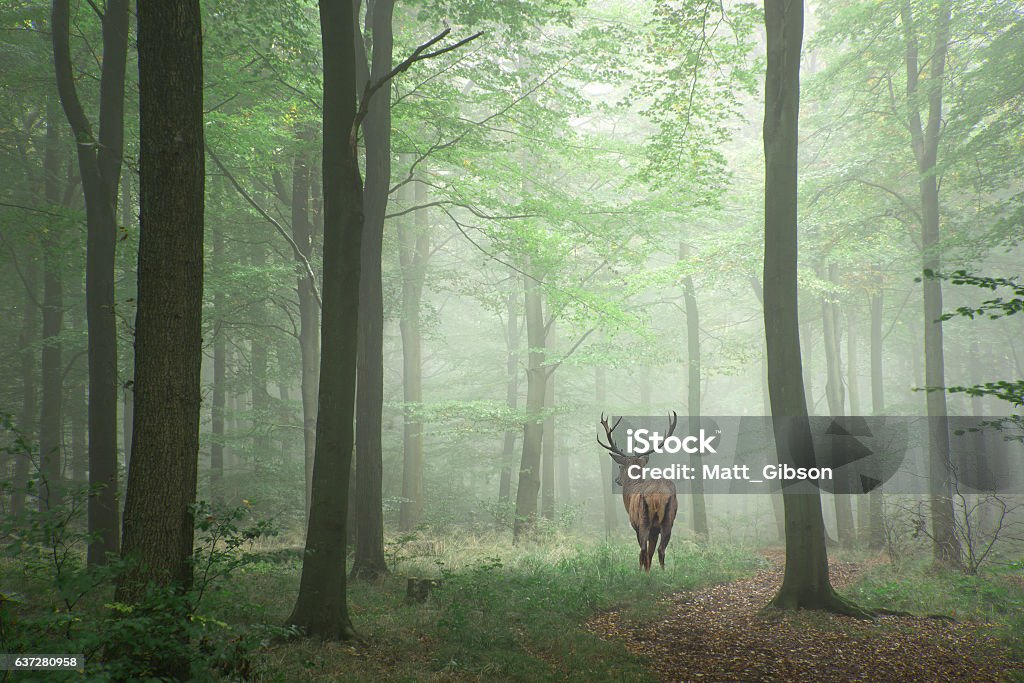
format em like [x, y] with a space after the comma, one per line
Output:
[610, 446]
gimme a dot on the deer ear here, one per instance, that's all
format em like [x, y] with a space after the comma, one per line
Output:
[621, 459]
[642, 459]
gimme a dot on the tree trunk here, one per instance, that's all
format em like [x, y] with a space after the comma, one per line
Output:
[321, 608]
[158, 525]
[219, 398]
[925, 142]
[536, 389]
[766, 409]
[511, 392]
[607, 495]
[413, 253]
[836, 398]
[369, 556]
[547, 497]
[876, 540]
[51, 424]
[28, 419]
[99, 161]
[805, 582]
[693, 387]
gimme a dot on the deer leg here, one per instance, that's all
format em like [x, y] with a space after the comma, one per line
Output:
[642, 534]
[666, 533]
[652, 543]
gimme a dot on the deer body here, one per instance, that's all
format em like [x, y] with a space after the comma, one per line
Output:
[650, 503]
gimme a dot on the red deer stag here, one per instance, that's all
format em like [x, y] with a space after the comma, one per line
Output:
[650, 503]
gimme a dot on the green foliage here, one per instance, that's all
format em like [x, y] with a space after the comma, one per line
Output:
[55, 603]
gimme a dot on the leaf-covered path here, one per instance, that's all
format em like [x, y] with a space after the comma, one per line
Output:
[722, 634]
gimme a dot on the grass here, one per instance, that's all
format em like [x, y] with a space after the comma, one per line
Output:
[993, 597]
[500, 613]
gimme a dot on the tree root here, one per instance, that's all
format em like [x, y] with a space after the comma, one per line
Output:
[829, 601]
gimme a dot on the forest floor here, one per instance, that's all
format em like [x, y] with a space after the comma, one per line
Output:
[724, 633]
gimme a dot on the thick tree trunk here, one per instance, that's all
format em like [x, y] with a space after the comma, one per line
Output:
[413, 253]
[158, 525]
[805, 582]
[536, 388]
[369, 556]
[925, 142]
[693, 387]
[99, 161]
[321, 608]
[51, 424]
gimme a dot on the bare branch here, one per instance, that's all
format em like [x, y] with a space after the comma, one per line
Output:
[273, 221]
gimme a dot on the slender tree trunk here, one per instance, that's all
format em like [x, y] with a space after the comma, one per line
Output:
[607, 495]
[693, 387]
[766, 409]
[876, 540]
[321, 608]
[51, 424]
[158, 525]
[309, 312]
[511, 391]
[369, 556]
[547, 503]
[836, 398]
[414, 251]
[28, 418]
[925, 142]
[219, 398]
[536, 388]
[805, 581]
[99, 161]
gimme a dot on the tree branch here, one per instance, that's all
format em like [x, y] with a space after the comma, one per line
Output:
[418, 55]
[280, 229]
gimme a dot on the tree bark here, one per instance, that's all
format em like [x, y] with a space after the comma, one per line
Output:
[805, 581]
[925, 143]
[158, 525]
[369, 560]
[413, 254]
[321, 608]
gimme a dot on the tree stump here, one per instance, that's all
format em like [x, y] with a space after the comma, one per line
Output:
[418, 590]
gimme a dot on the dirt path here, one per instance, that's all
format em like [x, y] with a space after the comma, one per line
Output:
[720, 634]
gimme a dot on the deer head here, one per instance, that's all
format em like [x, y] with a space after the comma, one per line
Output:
[623, 459]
